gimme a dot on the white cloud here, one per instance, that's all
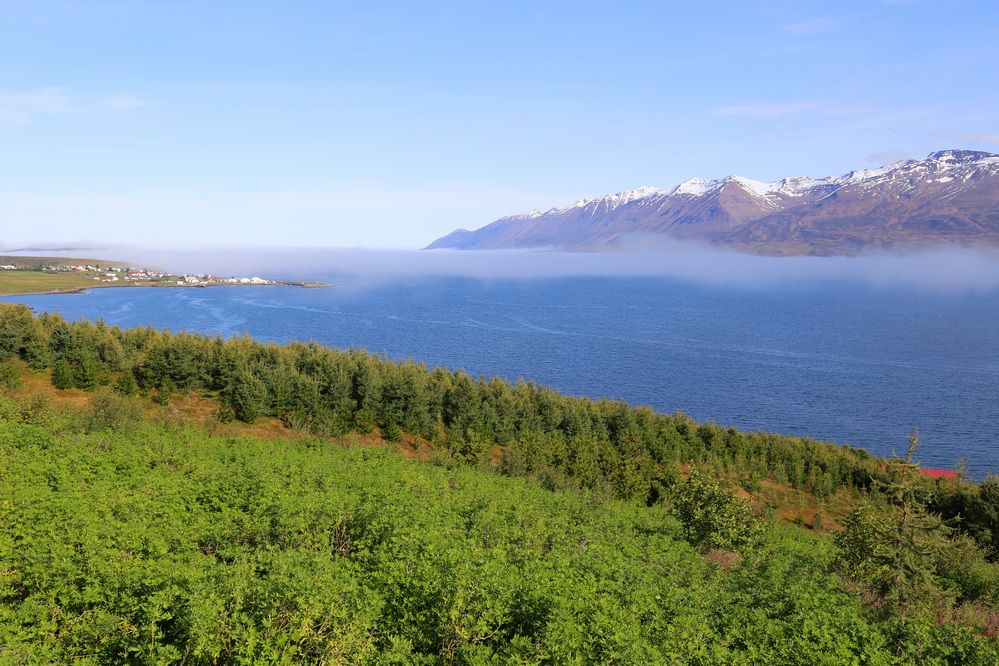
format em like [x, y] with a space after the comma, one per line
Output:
[766, 110]
[123, 102]
[20, 107]
[985, 137]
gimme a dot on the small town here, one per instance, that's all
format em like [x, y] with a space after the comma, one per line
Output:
[133, 275]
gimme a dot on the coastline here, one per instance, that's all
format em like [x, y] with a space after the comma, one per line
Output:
[85, 288]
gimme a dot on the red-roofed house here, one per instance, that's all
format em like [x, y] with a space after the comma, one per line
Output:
[938, 473]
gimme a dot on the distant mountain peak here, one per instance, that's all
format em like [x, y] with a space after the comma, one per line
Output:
[791, 186]
[695, 186]
[529, 215]
[953, 156]
[949, 196]
[617, 198]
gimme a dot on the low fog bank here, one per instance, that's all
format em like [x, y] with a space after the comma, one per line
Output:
[939, 269]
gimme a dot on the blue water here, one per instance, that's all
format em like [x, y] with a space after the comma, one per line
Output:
[850, 364]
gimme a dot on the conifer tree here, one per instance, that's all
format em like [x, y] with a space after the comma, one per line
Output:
[126, 384]
[895, 548]
[62, 375]
[10, 376]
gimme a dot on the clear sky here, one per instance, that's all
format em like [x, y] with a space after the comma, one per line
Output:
[389, 124]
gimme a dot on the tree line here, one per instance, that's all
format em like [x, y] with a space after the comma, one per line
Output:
[520, 428]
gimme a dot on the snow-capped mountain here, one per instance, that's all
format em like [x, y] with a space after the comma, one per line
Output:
[950, 196]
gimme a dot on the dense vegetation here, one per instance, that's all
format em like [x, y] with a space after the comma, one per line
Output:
[159, 543]
[129, 539]
[522, 429]
[572, 442]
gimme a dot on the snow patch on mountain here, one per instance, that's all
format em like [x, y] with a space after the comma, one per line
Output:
[695, 186]
[611, 201]
[906, 172]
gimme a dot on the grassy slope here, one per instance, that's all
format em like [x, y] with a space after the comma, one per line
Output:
[29, 262]
[790, 505]
[186, 539]
[164, 544]
[30, 282]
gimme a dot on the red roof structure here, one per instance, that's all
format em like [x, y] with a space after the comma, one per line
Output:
[938, 473]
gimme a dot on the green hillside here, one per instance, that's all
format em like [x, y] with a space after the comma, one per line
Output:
[47, 274]
[534, 528]
[163, 544]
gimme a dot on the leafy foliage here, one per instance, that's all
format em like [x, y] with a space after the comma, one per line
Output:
[712, 516]
[520, 428]
[905, 553]
[127, 541]
[149, 544]
[62, 375]
[10, 376]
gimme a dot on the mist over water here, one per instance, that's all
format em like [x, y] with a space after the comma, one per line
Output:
[941, 270]
[857, 350]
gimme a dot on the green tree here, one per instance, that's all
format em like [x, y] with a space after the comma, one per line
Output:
[713, 516]
[15, 325]
[86, 372]
[10, 376]
[166, 390]
[895, 547]
[62, 375]
[126, 384]
[246, 395]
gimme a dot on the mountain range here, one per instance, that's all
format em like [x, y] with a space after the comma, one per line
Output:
[951, 196]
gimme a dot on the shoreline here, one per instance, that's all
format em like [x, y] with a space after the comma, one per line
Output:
[85, 288]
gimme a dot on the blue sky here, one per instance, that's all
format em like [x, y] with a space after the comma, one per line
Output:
[389, 124]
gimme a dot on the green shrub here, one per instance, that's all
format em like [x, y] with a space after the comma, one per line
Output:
[10, 376]
[126, 384]
[245, 395]
[147, 544]
[86, 372]
[165, 391]
[110, 411]
[713, 516]
[391, 432]
[907, 554]
[62, 375]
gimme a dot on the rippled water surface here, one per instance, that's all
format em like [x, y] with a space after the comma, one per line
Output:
[850, 364]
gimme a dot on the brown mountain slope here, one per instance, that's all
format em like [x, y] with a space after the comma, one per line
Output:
[951, 196]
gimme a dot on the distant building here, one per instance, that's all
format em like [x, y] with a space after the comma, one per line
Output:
[938, 473]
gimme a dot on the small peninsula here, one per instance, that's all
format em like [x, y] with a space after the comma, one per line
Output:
[63, 275]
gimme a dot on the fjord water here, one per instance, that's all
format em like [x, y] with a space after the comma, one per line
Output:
[849, 363]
